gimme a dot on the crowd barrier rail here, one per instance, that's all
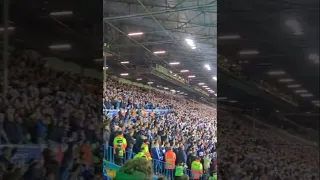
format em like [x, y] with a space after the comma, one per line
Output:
[158, 165]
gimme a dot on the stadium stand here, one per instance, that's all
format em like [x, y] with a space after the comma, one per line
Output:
[49, 124]
[130, 113]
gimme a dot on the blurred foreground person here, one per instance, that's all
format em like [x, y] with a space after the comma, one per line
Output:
[135, 169]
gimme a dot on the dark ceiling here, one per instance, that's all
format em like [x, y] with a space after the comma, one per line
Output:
[262, 27]
[36, 29]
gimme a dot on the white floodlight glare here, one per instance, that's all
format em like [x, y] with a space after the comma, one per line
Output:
[201, 84]
[124, 74]
[276, 72]
[249, 52]
[159, 52]
[222, 98]
[314, 57]
[61, 13]
[184, 70]
[124, 62]
[301, 91]
[316, 102]
[165, 88]
[191, 43]
[191, 76]
[293, 85]
[135, 34]
[285, 80]
[10, 28]
[229, 37]
[174, 63]
[216, 94]
[306, 95]
[60, 46]
[208, 67]
[294, 25]
[214, 78]
[139, 79]
[150, 82]
[105, 67]
[205, 86]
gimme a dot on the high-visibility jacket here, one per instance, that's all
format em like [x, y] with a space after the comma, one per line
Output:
[140, 155]
[121, 139]
[145, 148]
[152, 114]
[143, 112]
[213, 177]
[179, 171]
[196, 169]
[170, 159]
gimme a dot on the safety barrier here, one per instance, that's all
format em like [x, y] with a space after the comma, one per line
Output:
[158, 165]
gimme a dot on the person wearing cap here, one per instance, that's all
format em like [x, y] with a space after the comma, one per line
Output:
[196, 169]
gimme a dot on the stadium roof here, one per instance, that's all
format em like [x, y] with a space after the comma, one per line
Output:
[274, 43]
[58, 28]
[178, 35]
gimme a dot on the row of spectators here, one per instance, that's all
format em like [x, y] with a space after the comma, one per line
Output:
[246, 151]
[60, 111]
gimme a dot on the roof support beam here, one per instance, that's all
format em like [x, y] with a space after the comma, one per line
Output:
[194, 8]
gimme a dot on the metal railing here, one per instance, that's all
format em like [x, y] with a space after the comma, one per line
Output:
[158, 165]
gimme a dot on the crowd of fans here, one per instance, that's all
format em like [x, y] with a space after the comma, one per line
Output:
[246, 152]
[62, 111]
[189, 128]
[57, 112]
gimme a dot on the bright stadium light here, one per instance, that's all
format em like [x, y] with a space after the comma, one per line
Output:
[205, 86]
[10, 28]
[61, 13]
[165, 88]
[201, 84]
[248, 52]
[191, 43]
[184, 70]
[285, 80]
[60, 46]
[276, 72]
[300, 91]
[139, 79]
[208, 67]
[229, 37]
[314, 57]
[191, 76]
[174, 63]
[214, 78]
[315, 102]
[294, 25]
[293, 85]
[124, 62]
[150, 82]
[306, 95]
[105, 67]
[124, 74]
[159, 52]
[135, 34]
